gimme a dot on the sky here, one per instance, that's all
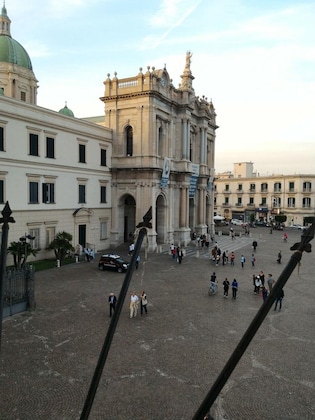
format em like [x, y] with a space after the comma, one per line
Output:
[255, 59]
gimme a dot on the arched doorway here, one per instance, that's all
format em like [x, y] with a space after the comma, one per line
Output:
[161, 219]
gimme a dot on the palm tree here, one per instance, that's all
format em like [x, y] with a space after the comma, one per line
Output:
[61, 245]
[20, 251]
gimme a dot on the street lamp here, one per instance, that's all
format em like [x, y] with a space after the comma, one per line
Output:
[24, 239]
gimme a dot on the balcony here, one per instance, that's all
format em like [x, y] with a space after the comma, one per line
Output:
[307, 190]
[239, 205]
[251, 205]
[252, 191]
[226, 205]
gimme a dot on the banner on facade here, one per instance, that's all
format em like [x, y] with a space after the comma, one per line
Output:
[193, 179]
[166, 173]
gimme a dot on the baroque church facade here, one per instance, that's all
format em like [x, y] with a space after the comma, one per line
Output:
[162, 156]
[96, 178]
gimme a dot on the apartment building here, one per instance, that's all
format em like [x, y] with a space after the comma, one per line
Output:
[244, 194]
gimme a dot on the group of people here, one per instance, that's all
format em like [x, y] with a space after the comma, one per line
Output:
[218, 256]
[260, 288]
[133, 306]
[226, 286]
[177, 253]
[89, 254]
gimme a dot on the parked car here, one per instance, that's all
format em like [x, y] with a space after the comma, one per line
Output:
[299, 227]
[237, 222]
[113, 262]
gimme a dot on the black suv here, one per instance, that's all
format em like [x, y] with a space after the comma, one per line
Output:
[113, 262]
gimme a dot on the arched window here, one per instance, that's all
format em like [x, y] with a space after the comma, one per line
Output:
[129, 140]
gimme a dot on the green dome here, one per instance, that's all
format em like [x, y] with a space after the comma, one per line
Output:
[13, 52]
[66, 111]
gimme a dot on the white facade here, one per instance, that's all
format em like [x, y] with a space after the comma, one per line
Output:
[264, 197]
[55, 174]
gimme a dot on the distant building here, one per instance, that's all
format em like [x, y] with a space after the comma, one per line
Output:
[244, 195]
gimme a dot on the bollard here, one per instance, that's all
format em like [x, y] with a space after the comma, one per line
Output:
[77, 258]
[197, 253]
[58, 263]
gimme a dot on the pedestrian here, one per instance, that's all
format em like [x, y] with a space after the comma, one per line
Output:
[87, 254]
[179, 255]
[254, 245]
[254, 282]
[173, 251]
[234, 288]
[143, 302]
[223, 258]
[262, 277]
[232, 258]
[91, 255]
[257, 285]
[112, 303]
[131, 248]
[226, 285]
[270, 282]
[279, 257]
[242, 260]
[217, 260]
[137, 262]
[264, 293]
[279, 300]
[213, 283]
[253, 260]
[134, 300]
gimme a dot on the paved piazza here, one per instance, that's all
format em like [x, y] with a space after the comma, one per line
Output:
[162, 365]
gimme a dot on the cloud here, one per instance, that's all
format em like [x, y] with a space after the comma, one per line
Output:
[171, 15]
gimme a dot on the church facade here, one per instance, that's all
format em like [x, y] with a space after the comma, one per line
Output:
[96, 178]
[162, 156]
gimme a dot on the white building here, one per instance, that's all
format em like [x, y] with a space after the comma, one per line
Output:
[244, 195]
[96, 178]
[54, 168]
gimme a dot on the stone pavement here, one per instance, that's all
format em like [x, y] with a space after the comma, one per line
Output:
[162, 365]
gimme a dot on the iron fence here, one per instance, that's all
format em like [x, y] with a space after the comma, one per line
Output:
[18, 291]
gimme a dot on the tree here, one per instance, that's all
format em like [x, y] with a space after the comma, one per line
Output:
[280, 218]
[61, 245]
[20, 251]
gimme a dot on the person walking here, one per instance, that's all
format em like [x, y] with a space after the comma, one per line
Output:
[234, 288]
[232, 258]
[270, 282]
[213, 283]
[254, 245]
[279, 257]
[179, 255]
[137, 262]
[258, 285]
[134, 300]
[264, 293]
[112, 303]
[226, 286]
[131, 248]
[143, 302]
[242, 261]
[279, 300]
[253, 259]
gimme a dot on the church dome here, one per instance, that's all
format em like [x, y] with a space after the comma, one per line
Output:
[11, 51]
[66, 111]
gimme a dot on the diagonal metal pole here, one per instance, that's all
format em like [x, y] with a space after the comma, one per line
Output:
[223, 377]
[6, 219]
[114, 320]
